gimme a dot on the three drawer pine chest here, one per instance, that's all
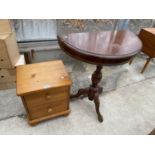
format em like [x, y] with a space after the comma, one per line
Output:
[44, 89]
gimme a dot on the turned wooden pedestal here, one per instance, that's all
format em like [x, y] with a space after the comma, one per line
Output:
[93, 91]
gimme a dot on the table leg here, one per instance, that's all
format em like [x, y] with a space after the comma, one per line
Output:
[81, 92]
[97, 106]
[93, 91]
[152, 132]
[100, 90]
[146, 64]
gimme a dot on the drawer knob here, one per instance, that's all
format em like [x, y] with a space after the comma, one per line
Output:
[48, 96]
[50, 110]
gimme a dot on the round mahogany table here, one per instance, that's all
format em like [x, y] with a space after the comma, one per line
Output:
[100, 48]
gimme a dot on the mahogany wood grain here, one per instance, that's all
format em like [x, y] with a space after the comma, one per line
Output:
[100, 48]
[147, 36]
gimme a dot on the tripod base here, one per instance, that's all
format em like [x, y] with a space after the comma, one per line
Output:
[93, 91]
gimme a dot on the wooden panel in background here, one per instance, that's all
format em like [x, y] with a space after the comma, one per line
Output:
[7, 75]
[147, 36]
[5, 26]
[9, 52]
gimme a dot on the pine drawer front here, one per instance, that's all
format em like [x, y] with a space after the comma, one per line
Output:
[7, 75]
[47, 110]
[47, 102]
[9, 52]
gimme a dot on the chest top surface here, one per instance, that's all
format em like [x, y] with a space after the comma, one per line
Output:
[110, 44]
[41, 76]
[151, 30]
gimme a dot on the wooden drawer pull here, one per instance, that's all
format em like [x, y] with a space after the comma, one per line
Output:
[48, 96]
[50, 110]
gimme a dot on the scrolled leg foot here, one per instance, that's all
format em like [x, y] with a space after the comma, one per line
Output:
[100, 90]
[83, 92]
[97, 106]
[100, 118]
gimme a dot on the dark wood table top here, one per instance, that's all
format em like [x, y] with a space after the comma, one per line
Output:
[101, 48]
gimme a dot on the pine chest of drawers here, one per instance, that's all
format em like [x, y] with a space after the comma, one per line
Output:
[44, 89]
